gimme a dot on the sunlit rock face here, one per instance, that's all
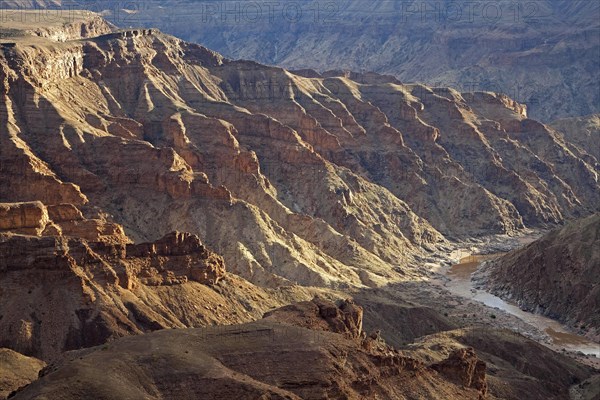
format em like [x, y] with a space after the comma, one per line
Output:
[147, 183]
[542, 53]
[318, 179]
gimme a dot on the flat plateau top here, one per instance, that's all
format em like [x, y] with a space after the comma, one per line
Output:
[18, 23]
[33, 19]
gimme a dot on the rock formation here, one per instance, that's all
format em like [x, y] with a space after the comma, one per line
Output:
[36, 219]
[298, 359]
[465, 368]
[543, 53]
[28, 218]
[67, 283]
[515, 367]
[583, 132]
[268, 358]
[320, 314]
[557, 275]
[321, 180]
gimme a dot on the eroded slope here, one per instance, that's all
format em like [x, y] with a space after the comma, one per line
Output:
[557, 275]
[319, 180]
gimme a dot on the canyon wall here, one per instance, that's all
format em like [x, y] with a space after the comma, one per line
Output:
[542, 53]
[150, 183]
[557, 275]
[322, 180]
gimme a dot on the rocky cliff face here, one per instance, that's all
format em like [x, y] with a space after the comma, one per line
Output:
[69, 282]
[464, 368]
[60, 293]
[36, 219]
[323, 180]
[542, 53]
[558, 276]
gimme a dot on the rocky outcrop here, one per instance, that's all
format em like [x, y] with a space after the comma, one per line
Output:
[557, 275]
[36, 219]
[60, 293]
[64, 213]
[464, 368]
[320, 314]
[28, 218]
[176, 258]
[187, 259]
[515, 367]
[264, 359]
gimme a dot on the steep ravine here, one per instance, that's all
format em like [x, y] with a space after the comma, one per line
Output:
[322, 181]
[147, 183]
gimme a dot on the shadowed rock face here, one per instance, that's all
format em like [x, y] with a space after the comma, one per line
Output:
[557, 275]
[464, 368]
[271, 358]
[515, 367]
[322, 180]
[299, 352]
[16, 371]
[63, 293]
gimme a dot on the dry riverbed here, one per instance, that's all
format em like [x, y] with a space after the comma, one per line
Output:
[451, 291]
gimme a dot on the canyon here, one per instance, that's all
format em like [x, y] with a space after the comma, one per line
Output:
[151, 184]
[325, 180]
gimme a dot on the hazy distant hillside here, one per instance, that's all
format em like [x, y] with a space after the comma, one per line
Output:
[582, 131]
[543, 53]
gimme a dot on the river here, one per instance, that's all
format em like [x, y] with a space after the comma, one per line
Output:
[460, 283]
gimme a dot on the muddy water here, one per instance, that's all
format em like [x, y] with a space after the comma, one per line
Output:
[460, 283]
